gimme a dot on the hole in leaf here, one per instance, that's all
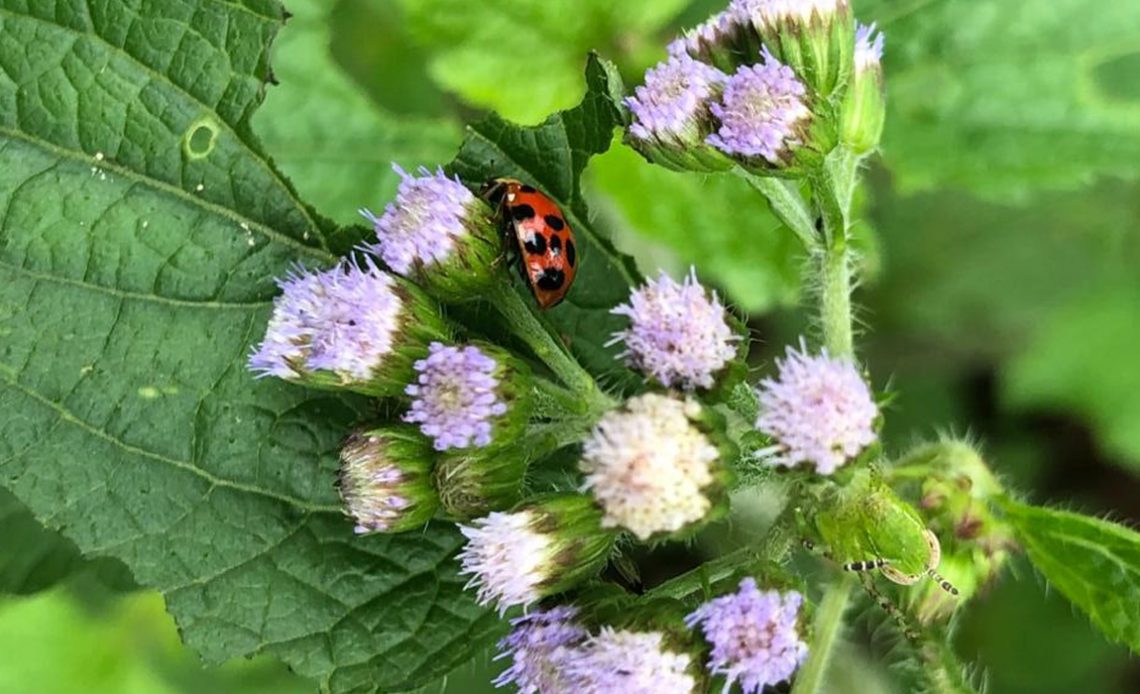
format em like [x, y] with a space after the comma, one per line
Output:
[200, 138]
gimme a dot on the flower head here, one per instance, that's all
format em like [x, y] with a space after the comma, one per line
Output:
[763, 113]
[438, 233]
[630, 662]
[538, 646]
[713, 41]
[678, 333]
[775, 12]
[812, 37]
[541, 549]
[753, 634]
[818, 411]
[341, 327]
[868, 47]
[456, 398]
[649, 467]
[672, 106]
[384, 480]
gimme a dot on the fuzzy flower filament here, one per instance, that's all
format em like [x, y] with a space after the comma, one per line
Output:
[819, 411]
[649, 467]
[678, 332]
[763, 113]
[539, 645]
[630, 662]
[457, 397]
[754, 636]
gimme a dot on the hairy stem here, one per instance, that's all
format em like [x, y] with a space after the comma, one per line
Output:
[549, 350]
[835, 299]
[827, 628]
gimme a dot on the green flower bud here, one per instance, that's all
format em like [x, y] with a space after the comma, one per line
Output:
[385, 480]
[864, 105]
[816, 38]
[474, 482]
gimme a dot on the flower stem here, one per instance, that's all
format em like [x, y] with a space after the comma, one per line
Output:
[530, 329]
[832, 188]
[553, 401]
[828, 625]
[786, 204]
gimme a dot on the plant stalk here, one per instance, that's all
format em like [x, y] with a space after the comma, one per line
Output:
[827, 628]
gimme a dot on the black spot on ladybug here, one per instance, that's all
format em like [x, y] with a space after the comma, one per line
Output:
[535, 245]
[551, 280]
[521, 212]
[571, 253]
[555, 243]
[555, 222]
[527, 189]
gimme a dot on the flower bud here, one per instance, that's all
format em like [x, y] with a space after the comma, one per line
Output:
[818, 411]
[814, 37]
[864, 105]
[438, 234]
[354, 327]
[754, 634]
[546, 546]
[726, 41]
[656, 467]
[679, 334]
[469, 396]
[385, 480]
[671, 117]
[474, 482]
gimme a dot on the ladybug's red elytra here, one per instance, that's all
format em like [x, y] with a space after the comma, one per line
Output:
[548, 252]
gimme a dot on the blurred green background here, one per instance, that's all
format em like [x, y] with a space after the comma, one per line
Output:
[1001, 293]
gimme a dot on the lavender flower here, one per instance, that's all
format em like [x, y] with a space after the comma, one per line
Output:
[763, 113]
[868, 48]
[672, 107]
[649, 467]
[437, 233]
[818, 411]
[754, 636]
[720, 41]
[538, 646]
[456, 399]
[678, 333]
[343, 327]
[775, 12]
[812, 37]
[541, 549]
[630, 662]
[384, 480]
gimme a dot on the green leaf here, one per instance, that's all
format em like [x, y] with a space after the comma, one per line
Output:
[1094, 563]
[717, 223]
[35, 558]
[327, 135]
[142, 231]
[523, 59]
[1002, 97]
[1081, 359]
[552, 156]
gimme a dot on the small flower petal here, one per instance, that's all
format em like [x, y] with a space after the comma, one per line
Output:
[455, 398]
[868, 47]
[506, 557]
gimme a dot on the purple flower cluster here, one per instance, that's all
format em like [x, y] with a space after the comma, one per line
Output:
[754, 635]
[674, 100]
[455, 399]
[342, 320]
[818, 411]
[763, 112]
[631, 662]
[678, 333]
[421, 227]
[539, 645]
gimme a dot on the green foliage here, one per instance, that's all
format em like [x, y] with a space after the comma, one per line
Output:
[552, 155]
[1002, 98]
[1094, 563]
[327, 136]
[717, 223]
[143, 230]
[523, 59]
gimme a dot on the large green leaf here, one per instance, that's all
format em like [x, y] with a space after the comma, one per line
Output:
[552, 156]
[1094, 563]
[523, 58]
[327, 135]
[1002, 97]
[142, 228]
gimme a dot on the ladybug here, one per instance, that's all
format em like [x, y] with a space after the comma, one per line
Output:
[548, 253]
